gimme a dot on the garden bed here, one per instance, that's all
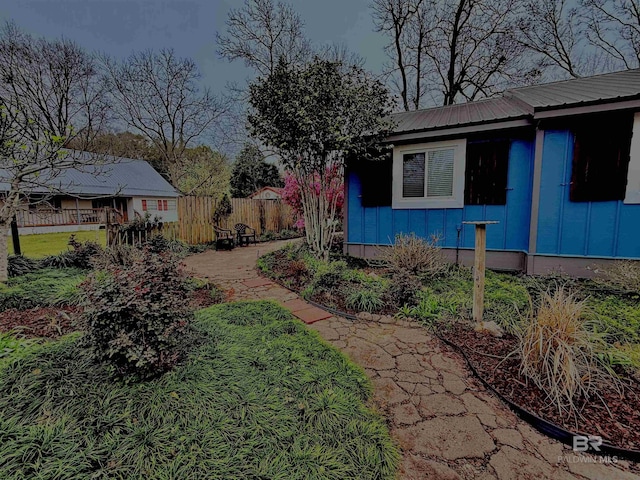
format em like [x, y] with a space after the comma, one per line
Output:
[617, 423]
[336, 284]
[608, 321]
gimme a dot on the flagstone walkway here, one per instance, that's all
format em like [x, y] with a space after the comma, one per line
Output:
[448, 426]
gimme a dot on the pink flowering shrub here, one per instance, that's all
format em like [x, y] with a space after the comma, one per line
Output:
[334, 182]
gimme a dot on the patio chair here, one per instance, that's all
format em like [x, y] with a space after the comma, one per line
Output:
[224, 238]
[245, 234]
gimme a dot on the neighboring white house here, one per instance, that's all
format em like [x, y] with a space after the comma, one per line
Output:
[267, 193]
[76, 199]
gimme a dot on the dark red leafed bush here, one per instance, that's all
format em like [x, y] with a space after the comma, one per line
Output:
[136, 316]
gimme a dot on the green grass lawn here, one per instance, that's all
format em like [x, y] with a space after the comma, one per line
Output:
[43, 244]
[259, 396]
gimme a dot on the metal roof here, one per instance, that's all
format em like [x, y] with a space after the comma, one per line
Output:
[523, 103]
[481, 111]
[124, 177]
[578, 91]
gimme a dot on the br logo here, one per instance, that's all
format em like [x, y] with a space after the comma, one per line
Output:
[583, 443]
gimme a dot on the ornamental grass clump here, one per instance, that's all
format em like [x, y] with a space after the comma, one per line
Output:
[557, 351]
[136, 316]
[366, 300]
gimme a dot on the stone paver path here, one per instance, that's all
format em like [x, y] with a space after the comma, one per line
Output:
[447, 424]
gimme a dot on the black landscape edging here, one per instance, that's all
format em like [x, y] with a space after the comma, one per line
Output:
[544, 426]
[337, 313]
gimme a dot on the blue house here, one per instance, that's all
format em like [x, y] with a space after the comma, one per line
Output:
[557, 165]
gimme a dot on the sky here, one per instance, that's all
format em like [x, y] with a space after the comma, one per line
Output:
[119, 27]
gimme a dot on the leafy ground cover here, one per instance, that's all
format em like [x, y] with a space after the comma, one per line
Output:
[258, 396]
[43, 244]
[12, 348]
[43, 287]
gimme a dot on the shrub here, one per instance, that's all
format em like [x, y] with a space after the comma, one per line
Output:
[288, 234]
[329, 275]
[117, 255]
[160, 244]
[403, 288]
[268, 236]
[223, 210]
[83, 252]
[297, 269]
[415, 255]
[19, 265]
[136, 316]
[621, 275]
[80, 256]
[556, 350]
[337, 243]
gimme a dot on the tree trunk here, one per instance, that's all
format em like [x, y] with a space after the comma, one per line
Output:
[4, 255]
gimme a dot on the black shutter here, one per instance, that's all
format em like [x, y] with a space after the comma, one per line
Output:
[375, 179]
[487, 166]
[601, 158]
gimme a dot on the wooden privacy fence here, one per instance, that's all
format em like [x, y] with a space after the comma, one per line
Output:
[196, 217]
[195, 224]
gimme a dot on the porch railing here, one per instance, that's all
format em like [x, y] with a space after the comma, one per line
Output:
[61, 216]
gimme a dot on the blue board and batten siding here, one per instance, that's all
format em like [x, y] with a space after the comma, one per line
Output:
[586, 229]
[379, 225]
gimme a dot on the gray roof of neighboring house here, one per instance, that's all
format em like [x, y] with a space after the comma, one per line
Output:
[124, 177]
[524, 102]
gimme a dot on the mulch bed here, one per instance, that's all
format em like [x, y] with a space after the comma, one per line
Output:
[487, 353]
[54, 322]
[47, 322]
[201, 298]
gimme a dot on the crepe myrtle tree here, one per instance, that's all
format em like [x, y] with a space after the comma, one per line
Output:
[51, 95]
[314, 117]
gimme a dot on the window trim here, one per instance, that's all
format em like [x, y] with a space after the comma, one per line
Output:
[632, 191]
[459, 165]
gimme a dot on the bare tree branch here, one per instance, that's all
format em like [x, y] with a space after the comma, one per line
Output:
[613, 27]
[157, 95]
[447, 50]
[261, 32]
[51, 95]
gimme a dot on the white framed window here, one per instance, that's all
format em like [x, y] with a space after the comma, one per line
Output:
[429, 175]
